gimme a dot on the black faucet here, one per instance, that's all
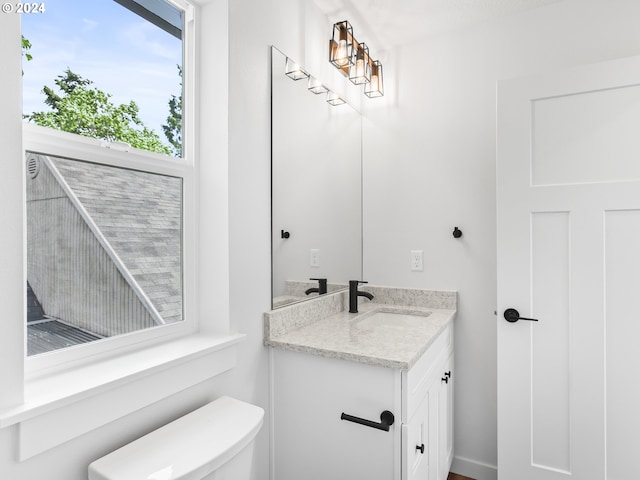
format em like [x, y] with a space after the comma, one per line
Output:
[354, 293]
[321, 288]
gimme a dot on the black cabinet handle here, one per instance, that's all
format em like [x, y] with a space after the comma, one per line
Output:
[386, 420]
[421, 448]
[445, 379]
[512, 315]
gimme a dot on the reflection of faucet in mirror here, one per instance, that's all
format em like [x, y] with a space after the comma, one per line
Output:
[321, 288]
[354, 293]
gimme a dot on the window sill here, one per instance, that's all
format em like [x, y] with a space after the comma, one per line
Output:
[65, 405]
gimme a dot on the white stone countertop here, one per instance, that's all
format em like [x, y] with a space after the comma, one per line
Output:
[392, 341]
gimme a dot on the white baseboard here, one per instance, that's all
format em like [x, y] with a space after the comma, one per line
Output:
[473, 469]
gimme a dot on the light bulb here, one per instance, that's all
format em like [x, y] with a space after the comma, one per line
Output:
[360, 68]
[374, 86]
[341, 53]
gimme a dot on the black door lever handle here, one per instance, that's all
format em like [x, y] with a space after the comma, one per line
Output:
[512, 315]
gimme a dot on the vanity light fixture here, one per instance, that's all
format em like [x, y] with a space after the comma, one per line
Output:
[316, 86]
[374, 88]
[360, 71]
[353, 60]
[341, 46]
[294, 71]
[334, 99]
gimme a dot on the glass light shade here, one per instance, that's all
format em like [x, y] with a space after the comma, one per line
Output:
[334, 99]
[294, 71]
[360, 71]
[341, 45]
[316, 86]
[375, 87]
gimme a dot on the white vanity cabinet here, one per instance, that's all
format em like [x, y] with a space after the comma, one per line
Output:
[310, 393]
[428, 403]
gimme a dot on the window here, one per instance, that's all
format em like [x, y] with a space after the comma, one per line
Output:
[104, 251]
[107, 69]
[106, 196]
[64, 393]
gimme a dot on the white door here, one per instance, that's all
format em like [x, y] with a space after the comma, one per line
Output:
[568, 191]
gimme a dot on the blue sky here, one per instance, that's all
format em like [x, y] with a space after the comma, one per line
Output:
[121, 52]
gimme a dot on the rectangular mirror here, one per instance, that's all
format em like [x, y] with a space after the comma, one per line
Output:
[316, 188]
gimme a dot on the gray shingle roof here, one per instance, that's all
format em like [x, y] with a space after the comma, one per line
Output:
[139, 214]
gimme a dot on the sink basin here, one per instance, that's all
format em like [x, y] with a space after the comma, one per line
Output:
[391, 318]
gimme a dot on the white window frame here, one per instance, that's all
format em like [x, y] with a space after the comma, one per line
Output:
[63, 399]
[48, 141]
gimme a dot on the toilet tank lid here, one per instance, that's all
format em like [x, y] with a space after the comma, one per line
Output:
[187, 448]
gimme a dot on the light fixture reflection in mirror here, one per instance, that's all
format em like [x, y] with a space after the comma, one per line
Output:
[294, 71]
[316, 168]
[334, 99]
[316, 86]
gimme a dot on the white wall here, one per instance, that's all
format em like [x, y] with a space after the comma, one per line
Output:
[11, 240]
[429, 152]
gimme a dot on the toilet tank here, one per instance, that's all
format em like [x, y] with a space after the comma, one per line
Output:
[190, 448]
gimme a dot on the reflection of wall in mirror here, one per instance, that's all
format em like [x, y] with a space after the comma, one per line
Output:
[316, 184]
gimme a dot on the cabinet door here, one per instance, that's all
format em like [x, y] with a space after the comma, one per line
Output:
[426, 427]
[311, 442]
[445, 420]
[429, 406]
[416, 443]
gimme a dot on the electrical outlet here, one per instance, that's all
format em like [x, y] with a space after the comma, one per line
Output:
[314, 257]
[417, 260]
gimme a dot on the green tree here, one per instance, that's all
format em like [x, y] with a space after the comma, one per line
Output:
[85, 110]
[26, 46]
[173, 128]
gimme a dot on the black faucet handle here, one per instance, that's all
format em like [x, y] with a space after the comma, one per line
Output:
[322, 285]
[354, 294]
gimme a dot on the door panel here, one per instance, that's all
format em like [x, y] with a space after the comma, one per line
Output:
[622, 269]
[573, 133]
[568, 200]
[550, 367]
